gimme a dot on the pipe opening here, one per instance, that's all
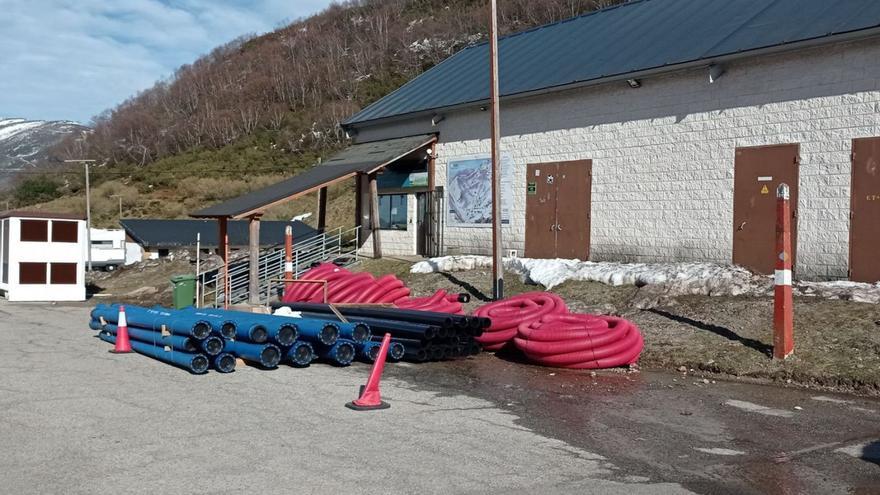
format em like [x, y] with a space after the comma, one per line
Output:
[396, 350]
[287, 334]
[225, 363]
[270, 356]
[329, 334]
[345, 353]
[302, 355]
[213, 345]
[374, 352]
[259, 334]
[227, 330]
[199, 364]
[201, 330]
[360, 333]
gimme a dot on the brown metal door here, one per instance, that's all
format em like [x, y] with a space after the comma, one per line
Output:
[573, 188]
[758, 172]
[864, 236]
[541, 210]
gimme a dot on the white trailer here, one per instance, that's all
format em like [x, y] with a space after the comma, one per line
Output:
[108, 248]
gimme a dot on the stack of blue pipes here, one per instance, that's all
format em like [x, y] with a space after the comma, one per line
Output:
[197, 339]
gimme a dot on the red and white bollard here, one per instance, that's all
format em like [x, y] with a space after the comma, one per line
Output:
[288, 257]
[783, 311]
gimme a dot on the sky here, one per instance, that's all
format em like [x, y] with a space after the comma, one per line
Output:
[72, 59]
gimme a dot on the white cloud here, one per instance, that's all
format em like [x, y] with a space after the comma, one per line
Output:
[73, 59]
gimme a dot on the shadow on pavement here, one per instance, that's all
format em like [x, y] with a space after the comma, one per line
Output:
[871, 453]
[717, 330]
[473, 291]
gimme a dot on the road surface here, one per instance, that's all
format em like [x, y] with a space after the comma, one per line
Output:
[76, 419]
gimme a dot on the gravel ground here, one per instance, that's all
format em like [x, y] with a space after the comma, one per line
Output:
[837, 343]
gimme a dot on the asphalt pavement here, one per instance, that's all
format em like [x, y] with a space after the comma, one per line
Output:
[76, 419]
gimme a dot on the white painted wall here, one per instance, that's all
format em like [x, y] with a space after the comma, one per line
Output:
[45, 252]
[663, 154]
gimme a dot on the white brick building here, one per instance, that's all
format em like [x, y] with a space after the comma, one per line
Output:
[664, 154]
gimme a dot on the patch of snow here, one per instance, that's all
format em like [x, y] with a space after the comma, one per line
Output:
[719, 451]
[758, 408]
[7, 131]
[674, 279]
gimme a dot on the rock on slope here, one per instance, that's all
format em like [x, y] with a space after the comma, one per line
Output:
[26, 143]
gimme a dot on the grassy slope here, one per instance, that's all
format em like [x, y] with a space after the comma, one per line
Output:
[178, 185]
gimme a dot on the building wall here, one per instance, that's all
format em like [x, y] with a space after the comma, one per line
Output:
[45, 252]
[663, 154]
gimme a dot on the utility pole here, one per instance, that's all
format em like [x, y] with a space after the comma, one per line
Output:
[497, 260]
[88, 212]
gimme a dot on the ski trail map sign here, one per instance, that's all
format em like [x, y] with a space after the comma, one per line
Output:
[469, 191]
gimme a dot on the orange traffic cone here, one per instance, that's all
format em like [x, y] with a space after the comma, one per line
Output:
[370, 398]
[123, 346]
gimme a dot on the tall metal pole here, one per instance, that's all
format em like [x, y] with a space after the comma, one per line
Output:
[88, 212]
[497, 260]
[88, 220]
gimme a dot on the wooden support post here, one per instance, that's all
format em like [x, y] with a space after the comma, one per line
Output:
[322, 208]
[495, 134]
[783, 311]
[254, 266]
[223, 247]
[374, 216]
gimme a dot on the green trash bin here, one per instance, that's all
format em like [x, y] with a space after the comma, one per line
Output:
[184, 293]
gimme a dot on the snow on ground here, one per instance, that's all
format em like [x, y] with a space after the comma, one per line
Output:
[672, 278]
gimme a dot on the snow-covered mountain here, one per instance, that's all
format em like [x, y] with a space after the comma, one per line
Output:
[25, 143]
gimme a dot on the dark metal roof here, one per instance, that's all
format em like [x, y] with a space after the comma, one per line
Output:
[633, 38]
[358, 158]
[41, 214]
[169, 234]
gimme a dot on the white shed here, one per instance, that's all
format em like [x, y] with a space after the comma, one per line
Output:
[43, 256]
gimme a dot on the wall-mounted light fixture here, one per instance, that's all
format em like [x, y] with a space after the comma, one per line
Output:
[634, 83]
[483, 108]
[437, 118]
[715, 72]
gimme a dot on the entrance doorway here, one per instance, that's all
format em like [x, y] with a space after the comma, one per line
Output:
[429, 218]
[558, 196]
[758, 172]
[864, 230]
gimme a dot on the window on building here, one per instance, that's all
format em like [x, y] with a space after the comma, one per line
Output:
[392, 211]
[35, 230]
[32, 273]
[65, 231]
[63, 273]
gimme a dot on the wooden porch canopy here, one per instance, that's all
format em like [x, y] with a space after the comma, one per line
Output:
[362, 160]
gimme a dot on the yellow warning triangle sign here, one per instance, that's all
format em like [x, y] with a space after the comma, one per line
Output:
[764, 190]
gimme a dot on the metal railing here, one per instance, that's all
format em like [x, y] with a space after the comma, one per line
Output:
[337, 246]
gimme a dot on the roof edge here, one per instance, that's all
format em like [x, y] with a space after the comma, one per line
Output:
[845, 37]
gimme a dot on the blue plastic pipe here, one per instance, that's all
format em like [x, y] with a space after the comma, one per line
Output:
[224, 362]
[211, 346]
[355, 331]
[268, 355]
[396, 350]
[220, 323]
[301, 353]
[281, 330]
[194, 363]
[341, 353]
[178, 323]
[368, 351]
